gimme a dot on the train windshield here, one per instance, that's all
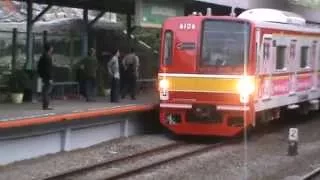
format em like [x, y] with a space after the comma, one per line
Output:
[224, 43]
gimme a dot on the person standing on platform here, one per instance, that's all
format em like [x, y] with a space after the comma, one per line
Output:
[122, 75]
[81, 80]
[131, 68]
[45, 69]
[114, 74]
[89, 65]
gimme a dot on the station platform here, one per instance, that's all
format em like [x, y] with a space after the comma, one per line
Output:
[27, 131]
[26, 114]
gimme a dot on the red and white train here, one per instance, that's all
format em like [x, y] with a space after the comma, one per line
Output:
[221, 74]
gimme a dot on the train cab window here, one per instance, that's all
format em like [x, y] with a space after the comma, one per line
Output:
[224, 43]
[304, 56]
[281, 57]
[168, 41]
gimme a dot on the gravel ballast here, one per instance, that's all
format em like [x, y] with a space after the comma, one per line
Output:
[266, 158]
[42, 167]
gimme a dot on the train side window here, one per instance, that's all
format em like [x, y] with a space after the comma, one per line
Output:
[168, 41]
[304, 56]
[281, 57]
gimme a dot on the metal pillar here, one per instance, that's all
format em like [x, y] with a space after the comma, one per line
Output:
[71, 53]
[29, 66]
[130, 29]
[45, 37]
[85, 33]
[233, 13]
[30, 23]
[14, 50]
[29, 63]
[41, 14]
[91, 23]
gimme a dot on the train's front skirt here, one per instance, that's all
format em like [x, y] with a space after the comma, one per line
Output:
[204, 119]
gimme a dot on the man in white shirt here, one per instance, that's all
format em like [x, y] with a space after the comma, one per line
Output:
[114, 74]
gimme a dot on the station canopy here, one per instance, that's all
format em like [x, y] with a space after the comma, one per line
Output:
[306, 3]
[117, 6]
[148, 13]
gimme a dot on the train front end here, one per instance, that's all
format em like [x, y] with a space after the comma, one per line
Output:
[205, 86]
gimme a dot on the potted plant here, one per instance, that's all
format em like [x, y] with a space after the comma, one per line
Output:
[17, 82]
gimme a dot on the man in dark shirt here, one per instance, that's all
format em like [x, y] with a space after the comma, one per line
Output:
[131, 73]
[89, 65]
[45, 72]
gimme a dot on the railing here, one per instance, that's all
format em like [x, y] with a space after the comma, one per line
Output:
[64, 90]
[71, 89]
[3, 93]
[146, 84]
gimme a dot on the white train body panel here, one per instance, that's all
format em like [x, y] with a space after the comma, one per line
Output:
[287, 58]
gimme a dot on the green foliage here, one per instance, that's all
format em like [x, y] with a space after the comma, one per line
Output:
[307, 3]
[149, 36]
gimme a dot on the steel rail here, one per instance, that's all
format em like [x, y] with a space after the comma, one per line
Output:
[171, 159]
[117, 160]
[311, 175]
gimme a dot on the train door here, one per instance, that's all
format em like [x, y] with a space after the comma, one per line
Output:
[318, 66]
[280, 66]
[258, 50]
[304, 76]
[265, 71]
[315, 65]
[293, 66]
[166, 58]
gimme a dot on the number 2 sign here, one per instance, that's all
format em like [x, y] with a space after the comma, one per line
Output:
[293, 134]
[164, 95]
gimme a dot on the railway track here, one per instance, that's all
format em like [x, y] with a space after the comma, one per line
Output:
[131, 165]
[313, 175]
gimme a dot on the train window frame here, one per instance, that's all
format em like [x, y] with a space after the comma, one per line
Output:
[306, 61]
[292, 57]
[266, 55]
[266, 49]
[200, 63]
[318, 57]
[284, 58]
[313, 54]
[167, 60]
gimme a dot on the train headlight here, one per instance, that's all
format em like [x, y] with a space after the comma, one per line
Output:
[164, 84]
[245, 87]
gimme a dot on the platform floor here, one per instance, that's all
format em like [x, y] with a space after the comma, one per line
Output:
[12, 112]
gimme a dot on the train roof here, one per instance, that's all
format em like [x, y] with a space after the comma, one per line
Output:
[264, 18]
[273, 15]
[278, 19]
